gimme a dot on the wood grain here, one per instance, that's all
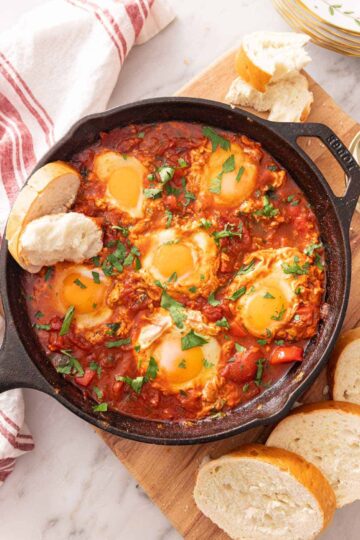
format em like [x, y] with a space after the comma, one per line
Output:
[168, 474]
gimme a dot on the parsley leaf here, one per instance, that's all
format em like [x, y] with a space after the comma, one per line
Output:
[96, 277]
[153, 193]
[246, 268]
[268, 295]
[137, 383]
[295, 268]
[39, 315]
[215, 185]
[182, 163]
[113, 328]
[223, 323]
[49, 273]
[79, 283]
[239, 174]
[228, 165]
[118, 343]
[94, 366]
[216, 139]
[207, 364]
[176, 309]
[65, 327]
[239, 348]
[279, 314]
[227, 232]
[237, 294]
[42, 326]
[205, 223]
[192, 339]
[268, 209]
[309, 250]
[212, 300]
[101, 407]
[166, 173]
[169, 217]
[260, 370]
[182, 364]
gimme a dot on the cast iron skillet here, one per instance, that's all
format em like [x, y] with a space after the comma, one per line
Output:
[22, 360]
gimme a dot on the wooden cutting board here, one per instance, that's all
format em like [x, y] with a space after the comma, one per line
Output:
[167, 474]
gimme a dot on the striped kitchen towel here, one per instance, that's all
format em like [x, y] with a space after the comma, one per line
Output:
[60, 62]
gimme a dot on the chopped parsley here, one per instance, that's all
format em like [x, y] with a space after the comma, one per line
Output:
[246, 268]
[101, 407]
[268, 209]
[207, 364]
[262, 342]
[222, 323]
[141, 134]
[182, 364]
[153, 193]
[39, 314]
[205, 223]
[216, 139]
[212, 300]
[72, 365]
[245, 388]
[176, 309]
[191, 340]
[94, 366]
[240, 173]
[192, 289]
[113, 328]
[240, 348]
[279, 342]
[309, 250]
[99, 393]
[268, 295]
[182, 163]
[318, 262]
[137, 383]
[65, 327]
[118, 343]
[260, 370]
[95, 260]
[166, 173]
[215, 185]
[96, 277]
[79, 283]
[124, 230]
[173, 277]
[49, 273]
[228, 232]
[42, 326]
[295, 268]
[278, 316]
[169, 217]
[237, 294]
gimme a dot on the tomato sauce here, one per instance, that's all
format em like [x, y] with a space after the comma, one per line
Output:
[278, 216]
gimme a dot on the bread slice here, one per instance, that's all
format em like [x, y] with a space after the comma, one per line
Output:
[52, 189]
[328, 435]
[54, 238]
[288, 100]
[265, 57]
[344, 368]
[258, 493]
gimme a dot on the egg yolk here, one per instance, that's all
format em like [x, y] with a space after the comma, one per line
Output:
[125, 185]
[82, 293]
[179, 366]
[170, 258]
[233, 186]
[264, 307]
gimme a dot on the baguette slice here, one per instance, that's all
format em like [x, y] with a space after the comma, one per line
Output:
[328, 435]
[52, 189]
[288, 100]
[265, 57]
[344, 368]
[260, 493]
[54, 238]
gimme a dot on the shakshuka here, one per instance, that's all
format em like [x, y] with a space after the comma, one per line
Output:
[209, 284]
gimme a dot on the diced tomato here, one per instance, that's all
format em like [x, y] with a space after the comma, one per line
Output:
[117, 389]
[238, 329]
[306, 314]
[86, 379]
[56, 323]
[212, 313]
[244, 366]
[170, 202]
[293, 211]
[290, 353]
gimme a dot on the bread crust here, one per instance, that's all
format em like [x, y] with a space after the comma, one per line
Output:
[303, 471]
[345, 339]
[25, 208]
[250, 72]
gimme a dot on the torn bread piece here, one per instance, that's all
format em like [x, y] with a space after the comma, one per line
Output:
[265, 57]
[260, 493]
[59, 237]
[288, 100]
[344, 368]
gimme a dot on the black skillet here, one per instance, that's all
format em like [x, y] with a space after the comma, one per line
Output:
[23, 362]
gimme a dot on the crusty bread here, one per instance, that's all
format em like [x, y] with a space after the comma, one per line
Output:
[59, 237]
[288, 100]
[344, 368]
[265, 57]
[260, 493]
[52, 189]
[328, 435]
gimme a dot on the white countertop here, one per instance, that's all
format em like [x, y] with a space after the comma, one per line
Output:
[71, 485]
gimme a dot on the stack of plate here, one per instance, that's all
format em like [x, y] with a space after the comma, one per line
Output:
[334, 24]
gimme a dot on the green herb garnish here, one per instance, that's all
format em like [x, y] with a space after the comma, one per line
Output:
[239, 348]
[96, 277]
[94, 366]
[169, 217]
[295, 268]
[216, 139]
[182, 364]
[153, 193]
[79, 283]
[49, 273]
[118, 343]
[65, 327]
[222, 323]
[42, 326]
[268, 295]
[191, 340]
[166, 173]
[39, 314]
[237, 294]
[239, 174]
[176, 309]
[212, 300]
[279, 314]
[101, 407]
[246, 268]
[205, 223]
[182, 163]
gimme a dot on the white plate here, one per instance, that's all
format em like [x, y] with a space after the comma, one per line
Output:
[343, 14]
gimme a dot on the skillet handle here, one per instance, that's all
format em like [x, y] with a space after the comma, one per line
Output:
[16, 369]
[347, 202]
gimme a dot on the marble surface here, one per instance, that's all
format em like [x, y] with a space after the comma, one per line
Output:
[71, 486]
